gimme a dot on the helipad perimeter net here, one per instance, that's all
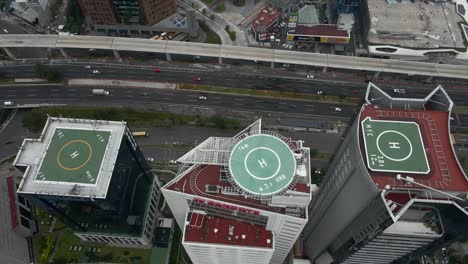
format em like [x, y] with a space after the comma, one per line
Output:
[262, 165]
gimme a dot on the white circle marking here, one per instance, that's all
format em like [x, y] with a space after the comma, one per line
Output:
[401, 134]
[256, 177]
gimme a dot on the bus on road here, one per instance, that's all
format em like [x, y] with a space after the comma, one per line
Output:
[140, 133]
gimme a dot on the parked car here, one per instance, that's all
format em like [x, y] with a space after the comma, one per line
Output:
[310, 76]
[337, 109]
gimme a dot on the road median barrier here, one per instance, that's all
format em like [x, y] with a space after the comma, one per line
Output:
[272, 94]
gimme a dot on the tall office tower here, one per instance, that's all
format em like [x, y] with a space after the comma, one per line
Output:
[241, 199]
[154, 11]
[93, 175]
[395, 186]
[100, 11]
[144, 12]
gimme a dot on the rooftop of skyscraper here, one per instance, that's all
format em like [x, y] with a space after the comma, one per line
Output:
[256, 169]
[402, 138]
[72, 157]
[204, 228]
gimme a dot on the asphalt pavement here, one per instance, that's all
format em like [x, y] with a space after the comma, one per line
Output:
[81, 95]
[229, 76]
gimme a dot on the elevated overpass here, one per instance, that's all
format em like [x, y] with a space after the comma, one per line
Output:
[221, 52]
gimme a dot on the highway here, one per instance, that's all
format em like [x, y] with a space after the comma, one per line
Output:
[124, 97]
[237, 77]
[233, 52]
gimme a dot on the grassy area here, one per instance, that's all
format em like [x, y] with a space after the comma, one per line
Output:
[239, 2]
[460, 109]
[35, 119]
[208, 2]
[275, 94]
[55, 247]
[176, 256]
[55, 8]
[232, 34]
[220, 8]
[211, 36]
[74, 18]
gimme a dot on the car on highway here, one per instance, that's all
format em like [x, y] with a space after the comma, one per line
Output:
[87, 67]
[8, 103]
[96, 72]
[310, 76]
[157, 70]
[320, 92]
[196, 79]
[151, 159]
[337, 109]
[400, 91]
[5, 30]
[201, 97]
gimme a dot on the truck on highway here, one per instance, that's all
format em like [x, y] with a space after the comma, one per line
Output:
[100, 92]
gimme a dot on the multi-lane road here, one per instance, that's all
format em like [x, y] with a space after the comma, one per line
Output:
[240, 77]
[81, 95]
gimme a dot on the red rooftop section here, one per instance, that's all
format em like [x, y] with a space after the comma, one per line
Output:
[196, 180]
[445, 173]
[202, 228]
[265, 19]
[12, 201]
[321, 30]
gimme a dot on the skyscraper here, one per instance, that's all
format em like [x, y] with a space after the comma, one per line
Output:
[145, 12]
[92, 174]
[241, 199]
[395, 186]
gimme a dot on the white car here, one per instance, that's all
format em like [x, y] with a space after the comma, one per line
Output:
[337, 109]
[6, 31]
[202, 97]
[150, 159]
[310, 76]
[8, 103]
[96, 72]
[87, 67]
[320, 92]
[401, 91]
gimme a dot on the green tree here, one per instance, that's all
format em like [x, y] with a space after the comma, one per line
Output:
[60, 260]
[35, 121]
[41, 70]
[227, 28]
[54, 75]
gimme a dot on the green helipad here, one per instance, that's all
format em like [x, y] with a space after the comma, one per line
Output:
[262, 164]
[394, 146]
[74, 156]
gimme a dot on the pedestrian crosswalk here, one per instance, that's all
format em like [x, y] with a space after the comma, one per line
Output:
[141, 66]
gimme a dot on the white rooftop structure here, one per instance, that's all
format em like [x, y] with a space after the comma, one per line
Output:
[72, 157]
[417, 24]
